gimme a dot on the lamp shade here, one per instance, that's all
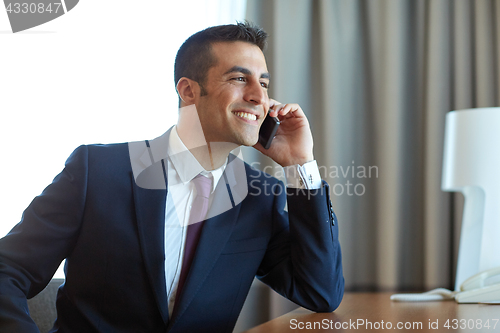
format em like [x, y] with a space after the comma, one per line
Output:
[471, 165]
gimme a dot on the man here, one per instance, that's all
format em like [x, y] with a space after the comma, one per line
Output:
[122, 215]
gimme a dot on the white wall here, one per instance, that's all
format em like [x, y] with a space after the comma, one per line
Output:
[101, 73]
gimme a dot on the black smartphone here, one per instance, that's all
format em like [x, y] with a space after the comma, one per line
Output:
[268, 131]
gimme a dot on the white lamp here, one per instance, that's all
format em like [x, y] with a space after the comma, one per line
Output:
[472, 166]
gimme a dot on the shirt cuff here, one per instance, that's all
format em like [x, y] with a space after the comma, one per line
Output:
[303, 176]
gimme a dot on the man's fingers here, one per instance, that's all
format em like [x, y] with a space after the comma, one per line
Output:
[273, 113]
[287, 111]
[273, 102]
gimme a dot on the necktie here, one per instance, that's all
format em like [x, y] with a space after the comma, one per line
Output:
[196, 218]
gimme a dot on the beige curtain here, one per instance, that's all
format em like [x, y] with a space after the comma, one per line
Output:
[376, 79]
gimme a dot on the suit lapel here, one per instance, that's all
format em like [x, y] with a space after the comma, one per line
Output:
[150, 201]
[150, 212]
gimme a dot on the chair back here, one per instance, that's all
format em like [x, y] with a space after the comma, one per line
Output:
[42, 307]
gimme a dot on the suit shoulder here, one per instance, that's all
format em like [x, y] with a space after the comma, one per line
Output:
[101, 154]
[108, 151]
[108, 147]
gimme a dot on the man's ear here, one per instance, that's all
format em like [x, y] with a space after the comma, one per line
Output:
[188, 90]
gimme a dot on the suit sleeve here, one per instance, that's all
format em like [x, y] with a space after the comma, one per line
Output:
[303, 262]
[33, 250]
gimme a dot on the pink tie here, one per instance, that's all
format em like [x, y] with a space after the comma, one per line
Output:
[196, 218]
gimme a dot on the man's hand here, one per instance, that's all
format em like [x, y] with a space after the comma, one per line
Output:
[293, 143]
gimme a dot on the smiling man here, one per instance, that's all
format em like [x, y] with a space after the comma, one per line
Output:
[168, 234]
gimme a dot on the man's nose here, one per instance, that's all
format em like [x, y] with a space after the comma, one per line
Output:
[256, 94]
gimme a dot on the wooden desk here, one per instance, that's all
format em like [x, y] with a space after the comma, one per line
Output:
[358, 310]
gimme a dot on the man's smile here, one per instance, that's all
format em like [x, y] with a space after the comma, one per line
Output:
[246, 115]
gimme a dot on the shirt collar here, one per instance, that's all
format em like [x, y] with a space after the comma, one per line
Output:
[188, 166]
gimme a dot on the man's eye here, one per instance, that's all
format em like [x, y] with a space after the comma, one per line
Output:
[239, 78]
[264, 84]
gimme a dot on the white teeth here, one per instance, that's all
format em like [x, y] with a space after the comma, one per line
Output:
[248, 116]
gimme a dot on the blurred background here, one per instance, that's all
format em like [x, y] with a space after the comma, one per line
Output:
[375, 77]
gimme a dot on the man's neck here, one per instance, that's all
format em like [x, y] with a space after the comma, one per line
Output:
[211, 155]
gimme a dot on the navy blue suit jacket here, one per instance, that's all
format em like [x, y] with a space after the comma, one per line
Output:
[111, 232]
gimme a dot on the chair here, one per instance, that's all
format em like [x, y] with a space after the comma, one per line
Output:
[42, 307]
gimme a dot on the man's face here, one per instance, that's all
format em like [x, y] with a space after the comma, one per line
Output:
[236, 99]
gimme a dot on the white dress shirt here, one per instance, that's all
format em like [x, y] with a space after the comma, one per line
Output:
[180, 196]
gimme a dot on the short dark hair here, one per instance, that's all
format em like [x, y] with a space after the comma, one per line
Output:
[195, 57]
